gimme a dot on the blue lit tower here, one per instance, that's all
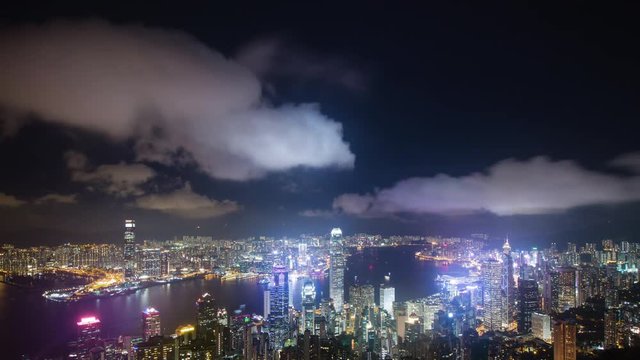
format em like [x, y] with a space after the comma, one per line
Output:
[336, 269]
[129, 249]
[279, 309]
[309, 305]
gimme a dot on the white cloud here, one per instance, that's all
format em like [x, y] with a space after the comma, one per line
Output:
[166, 91]
[187, 204]
[57, 198]
[510, 187]
[120, 180]
[10, 201]
[317, 213]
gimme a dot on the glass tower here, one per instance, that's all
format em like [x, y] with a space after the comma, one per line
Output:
[336, 269]
[129, 249]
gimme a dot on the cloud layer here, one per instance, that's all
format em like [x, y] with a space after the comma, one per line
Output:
[187, 204]
[53, 198]
[169, 93]
[120, 180]
[510, 187]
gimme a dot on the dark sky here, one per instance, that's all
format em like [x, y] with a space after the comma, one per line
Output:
[449, 119]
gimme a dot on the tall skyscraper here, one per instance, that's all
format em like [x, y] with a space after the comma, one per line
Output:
[361, 297]
[564, 340]
[308, 305]
[611, 328]
[527, 304]
[279, 312]
[129, 249]
[492, 293]
[150, 262]
[150, 323]
[336, 269]
[88, 337]
[508, 286]
[211, 319]
[541, 326]
[387, 297]
[563, 289]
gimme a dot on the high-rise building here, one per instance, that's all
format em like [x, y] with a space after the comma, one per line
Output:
[508, 286]
[563, 289]
[541, 326]
[266, 302]
[129, 249]
[527, 303]
[336, 269]
[150, 323]
[611, 328]
[564, 340]
[492, 293]
[211, 320]
[308, 305]
[279, 312]
[361, 297]
[88, 337]
[387, 297]
[150, 262]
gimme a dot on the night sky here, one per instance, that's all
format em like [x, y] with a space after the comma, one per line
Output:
[511, 119]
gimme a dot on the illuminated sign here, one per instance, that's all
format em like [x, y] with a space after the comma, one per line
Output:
[88, 321]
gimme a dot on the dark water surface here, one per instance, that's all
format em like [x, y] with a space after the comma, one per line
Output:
[29, 324]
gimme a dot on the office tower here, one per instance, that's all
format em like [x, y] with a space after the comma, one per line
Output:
[413, 328]
[336, 269]
[150, 262]
[211, 320]
[184, 336]
[541, 326]
[564, 340]
[610, 328]
[387, 297]
[361, 297]
[492, 293]
[88, 337]
[266, 302]
[508, 286]
[527, 304]
[308, 305]
[129, 249]
[150, 323]
[279, 312]
[164, 263]
[563, 289]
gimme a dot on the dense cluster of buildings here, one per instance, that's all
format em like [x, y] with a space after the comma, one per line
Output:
[508, 303]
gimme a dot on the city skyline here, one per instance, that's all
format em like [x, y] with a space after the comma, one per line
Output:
[309, 181]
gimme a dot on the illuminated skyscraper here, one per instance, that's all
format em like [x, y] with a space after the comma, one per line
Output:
[387, 297]
[527, 304]
[210, 316]
[564, 340]
[150, 323]
[129, 249]
[88, 337]
[508, 286]
[611, 328]
[336, 269]
[150, 262]
[492, 293]
[361, 297]
[279, 312]
[309, 305]
[563, 289]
